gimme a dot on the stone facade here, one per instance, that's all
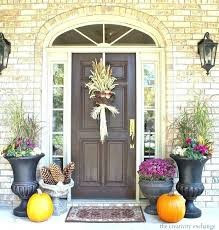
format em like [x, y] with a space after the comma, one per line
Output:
[182, 23]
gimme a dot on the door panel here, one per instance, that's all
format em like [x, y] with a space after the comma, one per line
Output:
[103, 170]
[119, 121]
[116, 162]
[87, 122]
[91, 162]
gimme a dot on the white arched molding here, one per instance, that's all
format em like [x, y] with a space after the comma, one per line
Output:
[104, 19]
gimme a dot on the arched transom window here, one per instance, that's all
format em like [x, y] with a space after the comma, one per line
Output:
[107, 34]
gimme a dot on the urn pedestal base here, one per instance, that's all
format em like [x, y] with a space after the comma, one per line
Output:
[21, 210]
[190, 185]
[58, 194]
[60, 206]
[190, 192]
[24, 191]
[152, 190]
[191, 210]
[151, 208]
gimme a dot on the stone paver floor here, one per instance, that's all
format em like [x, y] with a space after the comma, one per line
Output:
[208, 221]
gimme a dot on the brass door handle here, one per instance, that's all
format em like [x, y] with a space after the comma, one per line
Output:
[132, 133]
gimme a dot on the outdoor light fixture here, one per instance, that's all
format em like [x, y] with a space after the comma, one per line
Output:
[207, 50]
[5, 50]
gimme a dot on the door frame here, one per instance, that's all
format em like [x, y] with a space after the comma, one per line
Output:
[143, 55]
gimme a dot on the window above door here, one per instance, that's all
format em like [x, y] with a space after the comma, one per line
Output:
[107, 34]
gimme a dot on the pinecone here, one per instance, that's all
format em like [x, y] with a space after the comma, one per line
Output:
[68, 171]
[47, 176]
[56, 173]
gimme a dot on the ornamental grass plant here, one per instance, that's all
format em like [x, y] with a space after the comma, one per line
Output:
[194, 130]
[24, 131]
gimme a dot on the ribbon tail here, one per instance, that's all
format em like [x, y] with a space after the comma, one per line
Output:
[103, 126]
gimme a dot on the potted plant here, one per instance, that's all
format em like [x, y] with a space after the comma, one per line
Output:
[22, 152]
[155, 179]
[193, 147]
[57, 183]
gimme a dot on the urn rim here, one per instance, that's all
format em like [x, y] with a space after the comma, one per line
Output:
[157, 181]
[24, 158]
[177, 157]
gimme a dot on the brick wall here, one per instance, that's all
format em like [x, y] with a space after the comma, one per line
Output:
[182, 23]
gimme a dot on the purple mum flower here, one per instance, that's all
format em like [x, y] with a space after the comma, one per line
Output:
[157, 169]
[188, 141]
[30, 144]
[203, 149]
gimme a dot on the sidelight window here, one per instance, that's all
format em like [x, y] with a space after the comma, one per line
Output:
[149, 110]
[57, 113]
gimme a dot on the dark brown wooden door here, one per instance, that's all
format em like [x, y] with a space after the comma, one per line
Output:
[103, 170]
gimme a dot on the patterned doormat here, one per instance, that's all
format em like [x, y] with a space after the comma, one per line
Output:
[105, 214]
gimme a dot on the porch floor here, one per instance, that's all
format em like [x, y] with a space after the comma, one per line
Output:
[208, 220]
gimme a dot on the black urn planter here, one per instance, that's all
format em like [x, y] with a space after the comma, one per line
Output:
[25, 183]
[152, 190]
[190, 185]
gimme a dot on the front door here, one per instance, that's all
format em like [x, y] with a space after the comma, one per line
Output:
[103, 170]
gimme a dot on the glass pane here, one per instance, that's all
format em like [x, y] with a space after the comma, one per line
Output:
[57, 144]
[6, 54]
[58, 161]
[71, 37]
[149, 97]
[1, 54]
[112, 32]
[149, 121]
[214, 54]
[58, 74]
[136, 37]
[57, 121]
[149, 144]
[58, 97]
[149, 74]
[208, 55]
[95, 32]
[5, 61]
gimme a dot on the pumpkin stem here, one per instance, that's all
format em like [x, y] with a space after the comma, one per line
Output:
[171, 193]
[39, 191]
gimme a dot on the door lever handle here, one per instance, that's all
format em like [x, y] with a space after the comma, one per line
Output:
[132, 133]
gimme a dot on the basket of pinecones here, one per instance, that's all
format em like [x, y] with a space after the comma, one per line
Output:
[53, 174]
[57, 183]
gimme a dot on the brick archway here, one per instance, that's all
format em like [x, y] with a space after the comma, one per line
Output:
[123, 12]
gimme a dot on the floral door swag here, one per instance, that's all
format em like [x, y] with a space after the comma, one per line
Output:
[100, 85]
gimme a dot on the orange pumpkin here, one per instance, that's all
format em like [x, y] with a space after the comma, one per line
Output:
[39, 207]
[171, 207]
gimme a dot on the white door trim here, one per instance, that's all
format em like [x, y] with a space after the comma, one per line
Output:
[143, 55]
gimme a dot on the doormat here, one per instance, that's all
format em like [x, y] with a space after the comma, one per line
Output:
[105, 214]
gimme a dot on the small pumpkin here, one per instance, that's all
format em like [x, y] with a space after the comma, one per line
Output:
[171, 207]
[39, 207]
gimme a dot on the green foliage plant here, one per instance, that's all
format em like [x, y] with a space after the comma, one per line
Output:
[194, 128]
[24, 131]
